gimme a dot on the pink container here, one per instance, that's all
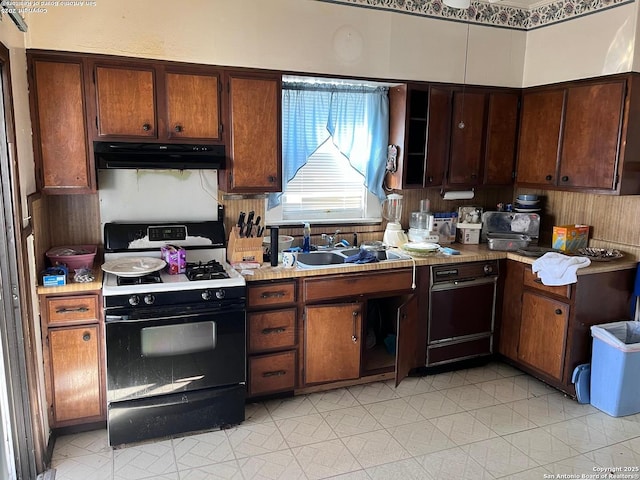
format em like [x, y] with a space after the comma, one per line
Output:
[73, 256]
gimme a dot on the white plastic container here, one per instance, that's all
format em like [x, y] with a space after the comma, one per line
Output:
[615, 363]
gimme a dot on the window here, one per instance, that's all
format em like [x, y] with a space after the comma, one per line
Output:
[334, 140]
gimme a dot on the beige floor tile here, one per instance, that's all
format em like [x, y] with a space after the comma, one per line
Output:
[452, 464]
[391, 413]
[442, 381]
[153, 460]
[255, 439]
[434, 404]
[619, 455]
[299, 431]
[421, 438]
[333, 400]
[481, 374]
[533, 386]
[375, 448]
[463, 428]
[499, 457]
[408, 469]
[470, 397]
[411, 386]
[351, 421]
[541, 446]
[502, 419]
[326, 459]
[547, 409]
[280, 465]
[533, 474]
[614, 429]
[580, 435]
[504, 390]
[85, 443]
[256, 413]
[290, 407]
[202, 449]
[506, 370]
[217, 471]
[579, 465]
[98, 466]
[373, 392]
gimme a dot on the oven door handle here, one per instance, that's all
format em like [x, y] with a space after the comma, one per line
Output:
[110, 318]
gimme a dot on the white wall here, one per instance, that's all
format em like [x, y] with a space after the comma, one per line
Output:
[297, 35]
[590, 46]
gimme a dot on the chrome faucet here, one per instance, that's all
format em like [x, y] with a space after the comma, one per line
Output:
[330, 240]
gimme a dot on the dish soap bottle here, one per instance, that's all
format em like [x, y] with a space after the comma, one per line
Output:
[306, 238]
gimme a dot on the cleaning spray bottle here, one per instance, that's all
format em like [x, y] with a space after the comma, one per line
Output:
[306, 238]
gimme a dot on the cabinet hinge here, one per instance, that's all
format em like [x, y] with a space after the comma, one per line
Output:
[220, 129]
[230, 179]
[513, 174]
[96, 123]
[617, 179]
[93, 74]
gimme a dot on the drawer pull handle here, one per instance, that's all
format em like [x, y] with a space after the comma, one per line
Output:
[86, 336]
[277, 373]
[278, 294]
[72, 310]
[354, 337]
[271, 331]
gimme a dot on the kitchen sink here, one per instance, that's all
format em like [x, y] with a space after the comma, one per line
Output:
[337, 257]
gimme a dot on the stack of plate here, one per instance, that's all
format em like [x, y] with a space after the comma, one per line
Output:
[421, 249]
[527, 203]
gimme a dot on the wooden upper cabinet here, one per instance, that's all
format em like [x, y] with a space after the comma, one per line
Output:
[254, 144]
[438, 135]
[592, 126]
[501, 138]
[125, 102]
[63, 163]
[467, 138]
[540, 130]
[193, 106]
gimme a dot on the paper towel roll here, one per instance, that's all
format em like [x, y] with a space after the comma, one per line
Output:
[458, 195]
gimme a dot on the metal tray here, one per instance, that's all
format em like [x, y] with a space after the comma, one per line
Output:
[507, 242]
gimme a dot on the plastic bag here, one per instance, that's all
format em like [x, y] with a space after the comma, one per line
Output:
[624, 336]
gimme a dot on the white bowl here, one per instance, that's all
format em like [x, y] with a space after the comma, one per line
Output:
[284, 242]
[527, 202]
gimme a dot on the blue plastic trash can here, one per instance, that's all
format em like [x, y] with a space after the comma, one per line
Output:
[615, 368]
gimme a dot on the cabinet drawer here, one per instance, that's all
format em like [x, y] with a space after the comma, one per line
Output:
[272, 330]
[272, 373]
[357, 284]
[271, 294]
[531, 280]
[72, 309]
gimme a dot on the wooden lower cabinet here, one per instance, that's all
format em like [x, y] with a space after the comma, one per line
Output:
[272, 373]
[75, 373]
[332, 342]
[545, 330]
[73, 347]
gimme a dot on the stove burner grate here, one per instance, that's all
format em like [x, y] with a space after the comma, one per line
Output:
[211, 270]
[153, 277]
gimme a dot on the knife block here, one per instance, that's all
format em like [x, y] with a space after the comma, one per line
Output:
[243, 249]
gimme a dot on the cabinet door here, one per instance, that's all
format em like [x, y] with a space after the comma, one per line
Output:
[255, 144]
[593, 122]
[415, 142]
[193, 106]
[543, 333]
[332, 342]
[500, 149]
[438, 131]
[511, 310]
[125, 102]
[538, 149]
[406, 341]
[63, 163]
[467, 134]
[75, 373]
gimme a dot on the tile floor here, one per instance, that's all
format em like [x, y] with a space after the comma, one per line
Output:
[480, 423]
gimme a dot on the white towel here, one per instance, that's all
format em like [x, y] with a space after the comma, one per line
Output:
[558, 269]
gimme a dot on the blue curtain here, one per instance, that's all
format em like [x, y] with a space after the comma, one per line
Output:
[311, 114]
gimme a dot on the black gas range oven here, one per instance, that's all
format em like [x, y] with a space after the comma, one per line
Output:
[175, 344]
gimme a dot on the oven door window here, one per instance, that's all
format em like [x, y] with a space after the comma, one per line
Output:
[168, 355]
[184, 339]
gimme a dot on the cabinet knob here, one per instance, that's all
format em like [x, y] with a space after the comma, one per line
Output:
[429, 179]
[271, 179]
[146, 127]
[178, 128]
[548, 178]
[474, 176]
[558, 311]
[565, 179]
[86, 337]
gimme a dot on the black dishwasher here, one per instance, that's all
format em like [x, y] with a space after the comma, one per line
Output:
[462, 300]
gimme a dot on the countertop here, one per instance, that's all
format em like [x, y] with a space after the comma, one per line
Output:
[468, 253]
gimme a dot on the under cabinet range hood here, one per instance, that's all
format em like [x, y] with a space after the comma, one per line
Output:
[158, 156]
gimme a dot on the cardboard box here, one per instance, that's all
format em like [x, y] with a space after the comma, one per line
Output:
[176, 259]
[570, 238]
[468, 233]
